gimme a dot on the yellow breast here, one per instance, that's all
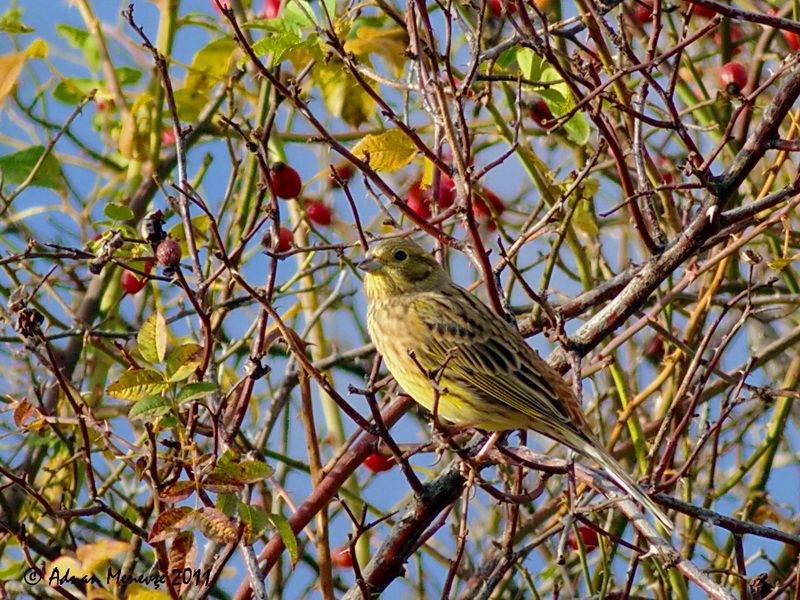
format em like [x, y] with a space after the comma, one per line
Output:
[397, 335]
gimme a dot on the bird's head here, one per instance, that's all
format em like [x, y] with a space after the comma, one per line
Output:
[399, 266]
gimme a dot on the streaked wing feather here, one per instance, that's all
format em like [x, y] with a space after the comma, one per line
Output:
[486, 354]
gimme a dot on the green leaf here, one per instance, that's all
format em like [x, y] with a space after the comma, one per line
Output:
[227, 503]
[253, 471]
[14, 570]
[292, 13]
[227, 459]
[557, 96]
[255, 518]
[189, 103]
[277, 44]
[247, 471]
[128, 75]
[193, 391]
[578, 129]
[149, 408]
[135, 384]
[183, 361]
[17, 166]
[287, 535]
[210, 65]
[115, 212]
[72, 90]
[507, 57]
[152, 338]
[11, 22]
[80, 39]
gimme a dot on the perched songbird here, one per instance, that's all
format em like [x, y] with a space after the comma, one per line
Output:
[425, 325]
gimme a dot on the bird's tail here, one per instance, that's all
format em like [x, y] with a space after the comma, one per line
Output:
[587, 446]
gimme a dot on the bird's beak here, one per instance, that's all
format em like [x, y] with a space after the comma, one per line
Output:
[370, 265]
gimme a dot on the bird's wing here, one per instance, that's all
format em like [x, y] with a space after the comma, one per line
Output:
[487, 354]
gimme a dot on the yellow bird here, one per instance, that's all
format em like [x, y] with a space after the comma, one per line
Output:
[489, 377]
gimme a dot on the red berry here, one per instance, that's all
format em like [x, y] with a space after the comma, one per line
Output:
[654, 349]
[168, 252]
[540, 113]
[445, 192]
[417, 201]
[733, 76]
[342, 558]
[588, 537]
[643, 11]
[703, 11]
[285, 239]
[286, 181]
[792, 39]
[666, 170]
[272, 9]
[736, 37]
[131, 283]
[482, 210]
[377, 463]
[457, 84]
[344, 170]
[501, 7]
[100, 105]
[319, 213]
[168, 136]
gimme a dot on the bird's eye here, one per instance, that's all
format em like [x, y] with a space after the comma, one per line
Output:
[400, 255]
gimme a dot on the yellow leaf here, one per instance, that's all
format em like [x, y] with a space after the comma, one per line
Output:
[65, 566]
[140, 592]
[10, 68]
[584, 219]
[200, 227]
[131, 142]
[391, 44]
[37, 49]
[344, 97]
[427, 174]
[135, 384]
[388, 151]
[182, 362]
[779, 263]
[152, 338]
[93, 555]
[210, 65]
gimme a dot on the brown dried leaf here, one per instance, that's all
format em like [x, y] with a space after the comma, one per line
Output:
[169, 523]
[216, 526]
